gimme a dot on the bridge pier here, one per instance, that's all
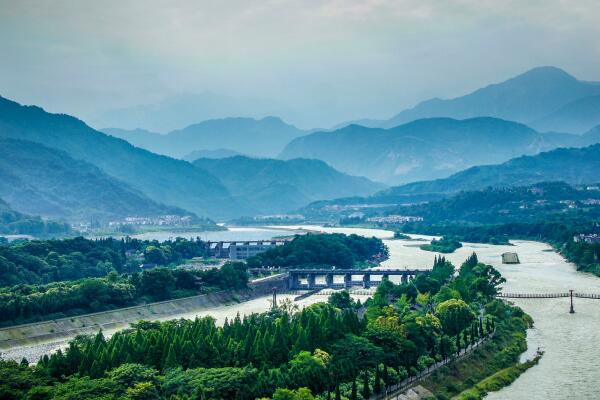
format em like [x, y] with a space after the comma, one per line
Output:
[385, 277]
[366, 281]
[571, 310]
[311, 278]
[293, 282]
[404, 278]
[329, 280]
[347, 281]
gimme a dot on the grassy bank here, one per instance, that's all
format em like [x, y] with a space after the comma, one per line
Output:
[493, 364]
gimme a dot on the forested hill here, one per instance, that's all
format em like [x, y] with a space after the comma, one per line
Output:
[163, 179]
[264, 137]
[275, 186]
[426, 149]
[15, 223]
[39, 180]
[571, 165]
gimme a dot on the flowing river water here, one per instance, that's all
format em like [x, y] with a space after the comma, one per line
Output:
[570, 341]
[568, 369]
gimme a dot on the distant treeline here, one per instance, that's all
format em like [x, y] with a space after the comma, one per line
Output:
[323, 250]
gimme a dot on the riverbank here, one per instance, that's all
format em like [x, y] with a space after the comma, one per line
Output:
[35, 339]
[500, 353]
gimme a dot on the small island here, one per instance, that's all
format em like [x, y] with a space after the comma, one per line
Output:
[444, 245]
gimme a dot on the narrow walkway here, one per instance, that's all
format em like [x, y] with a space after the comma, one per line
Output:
[393, 392]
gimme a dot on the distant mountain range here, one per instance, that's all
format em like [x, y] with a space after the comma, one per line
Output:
[570, 165]
[218, 153]
[38, 180]
[184, 109]
[263, 138]
[274, 186]
[162, 179]
[427, 148]
[545, 98]
[573, 166]
[56, 166]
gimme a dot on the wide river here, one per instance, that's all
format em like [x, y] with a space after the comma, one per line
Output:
[570, 341]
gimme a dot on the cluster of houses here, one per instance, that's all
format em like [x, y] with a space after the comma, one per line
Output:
[587, 238]
[395, 219]
[159, 220]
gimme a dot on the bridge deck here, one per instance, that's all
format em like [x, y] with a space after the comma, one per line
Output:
[369, 271]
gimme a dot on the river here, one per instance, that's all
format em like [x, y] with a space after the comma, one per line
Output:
[567, 369]
[570, 341]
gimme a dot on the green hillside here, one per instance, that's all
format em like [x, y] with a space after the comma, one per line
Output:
[274, 186]
[571, 165]
[38, 180]
[162, 179]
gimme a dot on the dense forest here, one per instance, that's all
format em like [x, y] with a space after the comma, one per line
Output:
[45, 261]
[323, 250]
[322, 351]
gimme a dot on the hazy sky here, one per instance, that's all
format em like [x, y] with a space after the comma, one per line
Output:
[323, 61]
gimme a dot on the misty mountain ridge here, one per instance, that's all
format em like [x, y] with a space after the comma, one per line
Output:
[264, 137]
[535, 98]
[570, 165]
[184, 109]
[275, 186]
[426, 149]
[162, 179]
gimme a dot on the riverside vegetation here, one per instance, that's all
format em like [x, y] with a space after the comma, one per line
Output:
[325, 350]
[49, 279]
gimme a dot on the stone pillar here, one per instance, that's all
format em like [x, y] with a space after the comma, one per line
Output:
[329, 280]
[366, 281]
[385, 277]
[404, 278]
[293, 282]
[311, 278]
[348, 281]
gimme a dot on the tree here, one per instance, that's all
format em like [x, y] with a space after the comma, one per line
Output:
[341, 300]
[158, 283]
[366, 392]
[455, 315]
[354, 392]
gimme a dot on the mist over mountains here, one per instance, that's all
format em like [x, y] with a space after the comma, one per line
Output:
[58, 167]
[274, 186]
[545, 98]
[425, 149]
[262, 138]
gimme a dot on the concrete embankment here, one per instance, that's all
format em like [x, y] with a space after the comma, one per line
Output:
[58, 331]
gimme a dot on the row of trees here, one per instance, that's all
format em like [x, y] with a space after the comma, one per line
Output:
[324, 350]
[26, 303]
[45, 261]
